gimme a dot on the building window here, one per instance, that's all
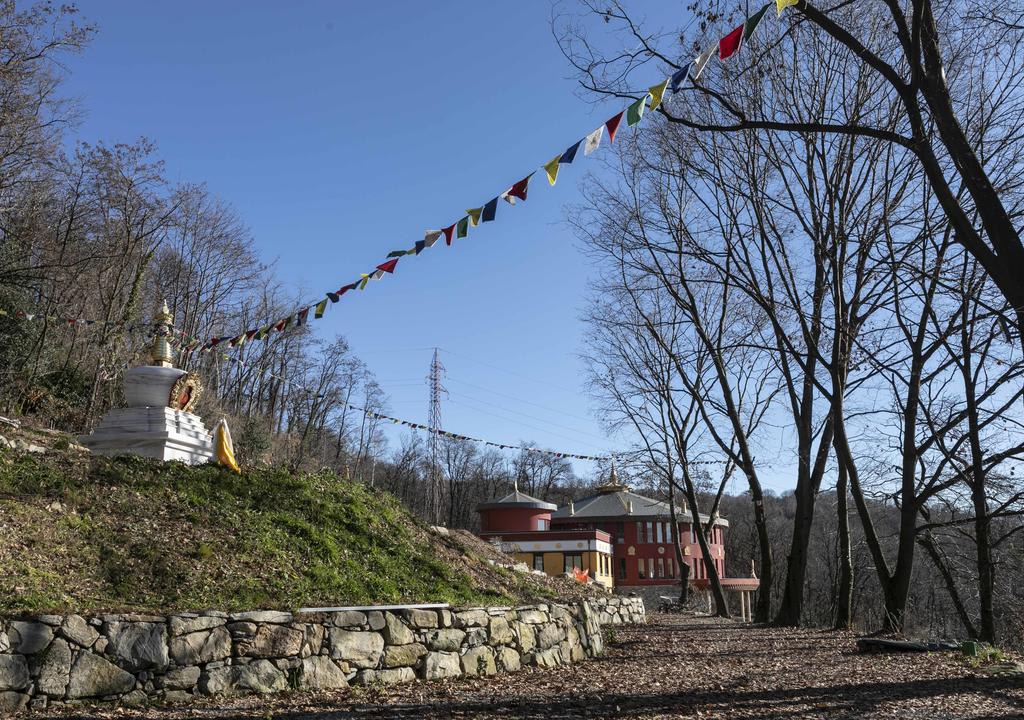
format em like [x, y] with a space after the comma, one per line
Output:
[538, 561]
[622, 568]
[671, 567]
[543, 524]
[650, 532]
[641, 569]
[573, 560]
[620, 533]
[661, 533]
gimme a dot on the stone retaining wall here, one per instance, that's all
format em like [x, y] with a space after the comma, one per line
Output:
[134, 659]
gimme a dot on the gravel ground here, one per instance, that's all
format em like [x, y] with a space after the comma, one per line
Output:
[675, 666]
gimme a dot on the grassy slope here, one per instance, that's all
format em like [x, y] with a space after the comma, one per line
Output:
[85, 533]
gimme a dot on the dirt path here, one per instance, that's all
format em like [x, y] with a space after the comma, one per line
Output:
[675, 667]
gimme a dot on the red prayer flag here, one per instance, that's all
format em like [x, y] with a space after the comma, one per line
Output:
[448, 234]
[389, 266]
[612, 125]
[519, 189]
[728, 45]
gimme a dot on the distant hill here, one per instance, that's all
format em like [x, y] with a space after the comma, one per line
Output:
[84, 533]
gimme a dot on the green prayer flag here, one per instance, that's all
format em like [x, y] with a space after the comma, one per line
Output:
[752, 22]
[636, 111]
[462, 229]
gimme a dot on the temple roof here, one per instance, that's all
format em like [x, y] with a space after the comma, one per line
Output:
[618, 501]
[517, 499]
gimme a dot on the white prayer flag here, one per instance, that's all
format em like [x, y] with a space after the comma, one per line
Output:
[593, 141]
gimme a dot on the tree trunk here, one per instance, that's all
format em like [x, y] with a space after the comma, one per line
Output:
[844, 599]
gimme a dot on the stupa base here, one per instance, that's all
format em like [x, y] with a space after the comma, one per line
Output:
[154, 432]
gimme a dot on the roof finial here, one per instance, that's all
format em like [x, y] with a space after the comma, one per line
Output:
[515, 483]
[572, 508]
[160, 352]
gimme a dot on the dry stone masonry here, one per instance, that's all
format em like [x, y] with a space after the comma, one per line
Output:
[48, 660]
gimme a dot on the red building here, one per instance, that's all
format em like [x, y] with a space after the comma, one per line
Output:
[616, 525]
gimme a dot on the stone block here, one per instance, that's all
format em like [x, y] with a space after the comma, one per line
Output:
[360, 649]
[183, 625]
[13, 672]
[183, 678]
[532, 616]
[78, 631]
[499, 632]
[421, 619]
[376, 619]
[272, 641]
[138, 645]
[263, 616]
[55, 670]
[446, 639]
[403, 655]
[259, 676]
[28, 637]
[471, 618]
[201, 647]
[549, 635]
[12, 702]
[385, 677]
[321, 673]
[441, 665]
[527, 636]
[508, 659]
[478, 661]
[396, 632]
[92, 676]
[348, 619]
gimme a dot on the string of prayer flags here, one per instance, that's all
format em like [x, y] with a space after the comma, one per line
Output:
[781, 5]
[729, 44]
[474, 215]
[593, 141]
[657, 92]
[636, 111]
[753, 21]
[551, 168]
[490, 210]
[613, 125]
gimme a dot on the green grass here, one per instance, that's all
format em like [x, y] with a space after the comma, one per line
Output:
[138, 534]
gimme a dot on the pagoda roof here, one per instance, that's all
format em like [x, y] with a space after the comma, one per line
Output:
[616, 502]
[517, 499]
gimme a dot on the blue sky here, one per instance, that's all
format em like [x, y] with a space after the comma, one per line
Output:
[341, 131]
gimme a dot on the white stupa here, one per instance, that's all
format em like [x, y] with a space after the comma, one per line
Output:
[157, 422]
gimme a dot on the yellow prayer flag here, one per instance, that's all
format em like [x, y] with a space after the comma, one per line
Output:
[781, 5]
[224, 446]
[474, 215]
[551, 168]
[657, 91]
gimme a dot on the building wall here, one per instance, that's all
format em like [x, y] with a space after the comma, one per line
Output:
[513, 519]
[52, 660]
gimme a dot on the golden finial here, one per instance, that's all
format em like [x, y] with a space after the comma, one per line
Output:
[163, 322]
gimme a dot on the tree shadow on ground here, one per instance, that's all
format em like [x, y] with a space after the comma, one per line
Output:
[838, 701]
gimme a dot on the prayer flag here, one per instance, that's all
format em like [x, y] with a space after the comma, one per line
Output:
[334, 297]
[569, 155]
[377, 274]
[593, 141]
[490, 210]
[657, 92]
[551, 168]
[321, 308]
[234, 341]
[397, 253]
[678, 76]
[388, 266]
[431, 237]
[365, 279]
[728, 45]
[613, 126]
[781, 5]
[752, 22]
[520, 188]
[636, 111]
[463, 227]
[420, 244]
[474, 215]
[448, 231]
[701, 61]
[251, 334]
[300, 317]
